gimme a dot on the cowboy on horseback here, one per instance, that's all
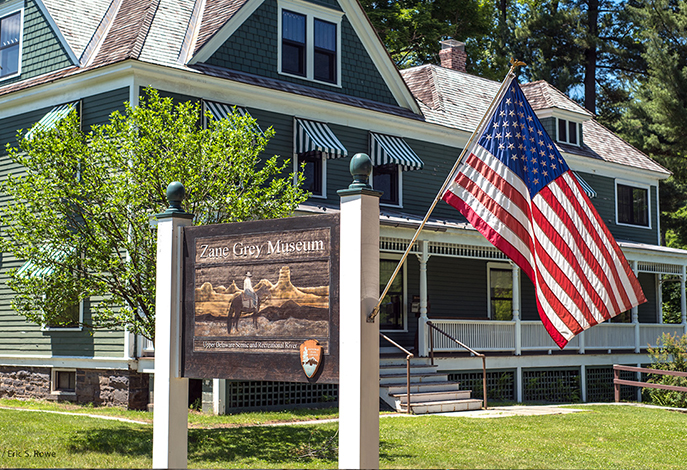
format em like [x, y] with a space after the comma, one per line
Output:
[250, 298]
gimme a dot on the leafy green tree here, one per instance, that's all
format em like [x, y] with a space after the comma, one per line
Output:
[82, 209]
[412, 29]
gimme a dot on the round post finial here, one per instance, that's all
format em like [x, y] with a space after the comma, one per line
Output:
[175, 195]
[361, 169]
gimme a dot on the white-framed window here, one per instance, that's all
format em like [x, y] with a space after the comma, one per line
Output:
[632, 204]
[500, 291]
[393, 313]
[567, 132]
[63, 382]
[11, 33]
[389, 179]
[309, 41]
[71, 320]
[314, 171]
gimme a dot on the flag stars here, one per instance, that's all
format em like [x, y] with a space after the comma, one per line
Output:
[501, 146]
[508, 135]
[496, 124]
[511, 146]
[540, 133]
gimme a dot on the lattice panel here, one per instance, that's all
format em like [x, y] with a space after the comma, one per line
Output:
[267, 395]
[500, 385]
[551, 385]
[600, 385]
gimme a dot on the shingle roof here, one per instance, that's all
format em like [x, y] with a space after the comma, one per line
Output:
[77, 20]
[216, 14]
[456, 99]
[543, 95]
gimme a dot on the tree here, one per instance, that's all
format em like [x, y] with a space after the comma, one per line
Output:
[412, 29]
[82, 210]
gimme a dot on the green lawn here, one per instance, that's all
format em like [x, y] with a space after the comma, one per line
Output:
[601, 437]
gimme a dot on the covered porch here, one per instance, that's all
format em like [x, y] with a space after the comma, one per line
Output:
[472, 292]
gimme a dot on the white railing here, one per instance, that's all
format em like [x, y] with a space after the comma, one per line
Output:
[650, 334]
[485, 335]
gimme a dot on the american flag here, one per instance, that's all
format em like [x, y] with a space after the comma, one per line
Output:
[517, 190]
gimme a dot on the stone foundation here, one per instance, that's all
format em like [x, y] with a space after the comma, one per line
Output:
[100, 387]
[24, 382]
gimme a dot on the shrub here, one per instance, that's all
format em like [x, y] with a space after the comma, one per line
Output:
[670, 354]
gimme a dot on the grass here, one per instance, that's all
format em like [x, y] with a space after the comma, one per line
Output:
[600, 437]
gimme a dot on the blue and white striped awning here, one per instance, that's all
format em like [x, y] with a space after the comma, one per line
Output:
[222, 111]
[386, 149]
[51, 119]
[317, 136]
[585, 186]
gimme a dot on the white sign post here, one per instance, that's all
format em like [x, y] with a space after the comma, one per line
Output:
[170, 415]
[358, 338]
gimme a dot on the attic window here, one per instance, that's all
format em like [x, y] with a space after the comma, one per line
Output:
[310, 41]
[10, 44]
[568, 132]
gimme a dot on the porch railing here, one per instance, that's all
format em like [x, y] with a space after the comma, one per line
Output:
[489, 335]
[444, 335]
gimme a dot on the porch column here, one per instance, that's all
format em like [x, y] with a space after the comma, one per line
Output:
[219, 396]
[422, 333]
[170, 415]
[659, 298]
[683, 297]
[516, 309]
[583, 383]
[635, 311]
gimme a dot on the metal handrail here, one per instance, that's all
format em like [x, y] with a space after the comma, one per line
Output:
[409, 355]
[472, 351]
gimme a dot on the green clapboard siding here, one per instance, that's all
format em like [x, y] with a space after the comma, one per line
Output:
[18, 336]
[96, 109]
[42, 51]
[605, 205]
[253, 48]
[648, 311]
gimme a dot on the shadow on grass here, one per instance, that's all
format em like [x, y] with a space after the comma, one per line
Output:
[270, 444]
[119, 440]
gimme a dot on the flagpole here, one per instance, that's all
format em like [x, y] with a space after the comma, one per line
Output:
[478, 130]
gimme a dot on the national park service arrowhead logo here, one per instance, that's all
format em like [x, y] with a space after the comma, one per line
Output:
[311, 357]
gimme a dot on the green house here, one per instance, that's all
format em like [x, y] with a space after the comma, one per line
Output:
[316, 72]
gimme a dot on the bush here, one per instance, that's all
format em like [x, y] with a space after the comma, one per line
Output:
[671, 354]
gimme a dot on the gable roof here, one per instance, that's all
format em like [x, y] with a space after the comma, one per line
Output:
[167, 32]
[456, 99]
[543, 95]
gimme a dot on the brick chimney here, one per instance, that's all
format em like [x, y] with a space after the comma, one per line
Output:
[452, 55]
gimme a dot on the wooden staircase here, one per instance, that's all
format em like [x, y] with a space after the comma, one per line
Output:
[430, 391]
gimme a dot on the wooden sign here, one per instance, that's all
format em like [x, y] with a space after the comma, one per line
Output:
[257, 295]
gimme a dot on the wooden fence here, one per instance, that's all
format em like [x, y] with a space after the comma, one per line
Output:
[617, 381]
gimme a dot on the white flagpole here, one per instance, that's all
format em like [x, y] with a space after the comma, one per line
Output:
[478, 131]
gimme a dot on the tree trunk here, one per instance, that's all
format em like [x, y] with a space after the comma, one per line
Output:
[590, 55]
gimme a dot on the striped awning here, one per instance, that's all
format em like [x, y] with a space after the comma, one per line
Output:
[51, 119]
[30, 269]
[585, 186]
[386, 149]
[222, 111]
[311, 135]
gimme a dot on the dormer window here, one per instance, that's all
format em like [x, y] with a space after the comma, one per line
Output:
[310, 41]
[10, 42]
[568, 132]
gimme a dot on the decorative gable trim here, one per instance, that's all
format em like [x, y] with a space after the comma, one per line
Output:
[58, 33]
[100, 34]
[206, 50]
